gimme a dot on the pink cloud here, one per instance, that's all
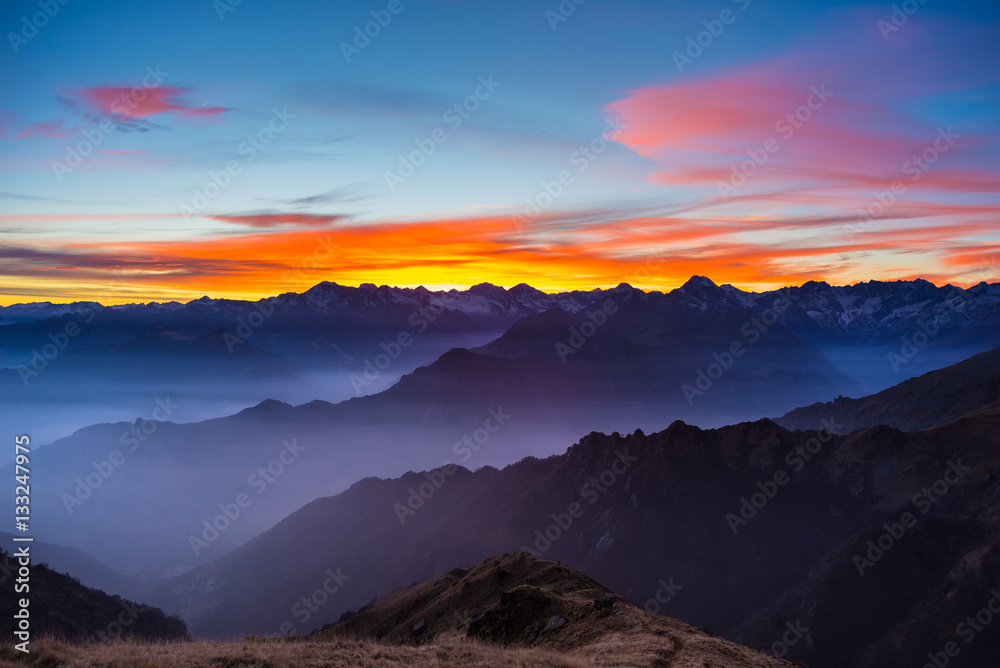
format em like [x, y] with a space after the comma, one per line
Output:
[140, 102]
[804, 126]
[793, 128]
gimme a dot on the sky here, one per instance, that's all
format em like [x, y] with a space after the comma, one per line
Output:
[154, 151]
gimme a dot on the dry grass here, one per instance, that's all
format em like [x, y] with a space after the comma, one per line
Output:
[613, 651]
[279, 654]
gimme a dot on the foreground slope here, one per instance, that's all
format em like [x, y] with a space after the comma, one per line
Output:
[510, 610]
[61, 607]
[519, 600]
[294, 654]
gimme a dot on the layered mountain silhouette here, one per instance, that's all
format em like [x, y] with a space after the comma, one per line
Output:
[334, 342]
[752, 529]
[706, 354]
[742, 530]
[215, 356]
[642, 365]
[361, 318]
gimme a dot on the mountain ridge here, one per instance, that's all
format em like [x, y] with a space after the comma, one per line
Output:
[917, 403]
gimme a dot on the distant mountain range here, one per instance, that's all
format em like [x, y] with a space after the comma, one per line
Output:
[214, 356]
[880, 542]
[333, 326]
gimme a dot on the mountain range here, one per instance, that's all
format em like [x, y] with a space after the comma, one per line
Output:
[784, 526]
[619, 432]
[557, 366]
[215, 356]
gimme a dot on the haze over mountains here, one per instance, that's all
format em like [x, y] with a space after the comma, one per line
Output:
[214, 357]
[775, 523]
[796, 532]
[643, 362]
[557, 366]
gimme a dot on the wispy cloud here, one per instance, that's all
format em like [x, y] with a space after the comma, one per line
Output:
[344, 194]
[273, 219]
[47, 130]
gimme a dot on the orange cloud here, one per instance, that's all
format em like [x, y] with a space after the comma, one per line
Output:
[650, 252]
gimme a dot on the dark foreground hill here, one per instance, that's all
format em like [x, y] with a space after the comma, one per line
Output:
[61, 607]
[519, 600]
